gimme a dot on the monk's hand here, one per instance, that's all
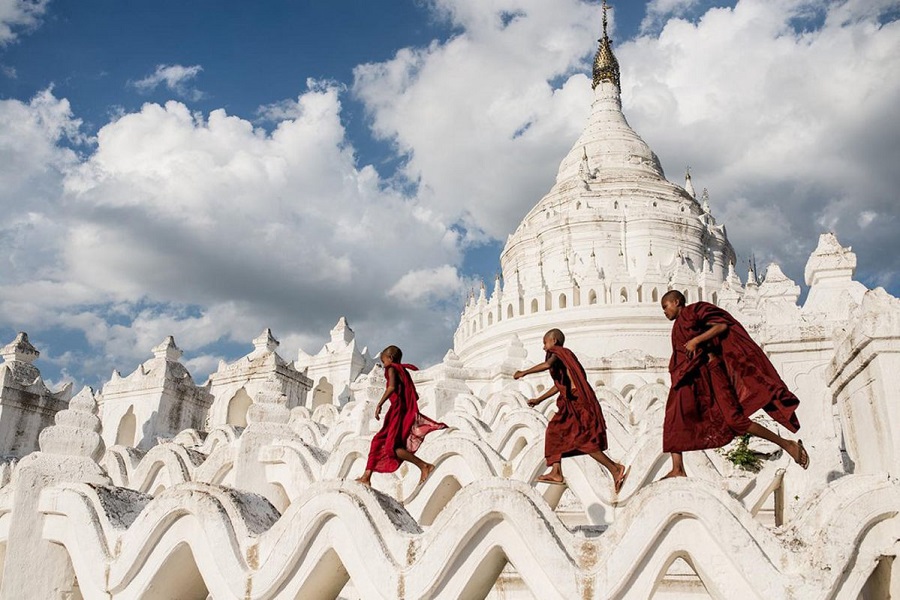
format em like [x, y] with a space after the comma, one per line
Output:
[533, 402]
[518, 375]
[378, 412]
[691, 347]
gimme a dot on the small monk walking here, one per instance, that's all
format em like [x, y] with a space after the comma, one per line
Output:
[720, 377]
[578, 426]
[404, 426]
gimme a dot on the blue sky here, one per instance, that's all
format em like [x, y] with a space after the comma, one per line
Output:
[209, 169]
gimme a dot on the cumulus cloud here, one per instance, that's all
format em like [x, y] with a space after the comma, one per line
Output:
[292, 108]
[439, 282]
[477, 118]
[211, 229]
[19, 15]
[785, 109]
[175, 78]
[660, 11]
[35, 155]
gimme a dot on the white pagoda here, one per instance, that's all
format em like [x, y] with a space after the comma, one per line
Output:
[263, 505]
[596, 253]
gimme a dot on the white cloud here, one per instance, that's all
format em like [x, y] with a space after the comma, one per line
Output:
[440, 282]
[175, 78]
[34, 159]
[794, 132]
[865, 218]
[785, 109]
[660, 11]
[283, 110]
[290, 109]
[202, 364]
[19, 15]
[210, 229]
[476, 117]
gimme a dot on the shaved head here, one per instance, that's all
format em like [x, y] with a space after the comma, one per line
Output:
[674, 296]
[556, 335]
[392, 352]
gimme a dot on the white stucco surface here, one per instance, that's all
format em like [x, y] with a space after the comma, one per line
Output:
[242, 488]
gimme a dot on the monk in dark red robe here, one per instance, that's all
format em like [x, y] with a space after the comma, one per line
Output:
[404, 426]
[720, 377]
[578, 426]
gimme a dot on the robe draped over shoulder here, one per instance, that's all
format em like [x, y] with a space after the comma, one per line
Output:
[404, 426]
[714, 392]
[578, 426]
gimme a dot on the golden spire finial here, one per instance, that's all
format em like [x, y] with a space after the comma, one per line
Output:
[605, 9]
[606, 67]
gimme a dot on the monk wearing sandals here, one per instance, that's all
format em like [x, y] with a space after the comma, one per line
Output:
[720, 377]
[578, 426]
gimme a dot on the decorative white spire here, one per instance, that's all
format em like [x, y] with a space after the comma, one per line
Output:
[266, 341]
[77, 429]
[689, 184]
[20, 350]
[341, 332]
[167, 350]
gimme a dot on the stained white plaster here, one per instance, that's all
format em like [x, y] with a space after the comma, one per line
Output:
[250, 494]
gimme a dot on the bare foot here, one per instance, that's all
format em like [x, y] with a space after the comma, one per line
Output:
[619, 480]
[426, 472]
[363, 480]
[797, 451]
[673, 474]
[548, 478]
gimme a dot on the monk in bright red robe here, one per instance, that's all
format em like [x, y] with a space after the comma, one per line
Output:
[720, 377]
[578, 426]
[404, 426]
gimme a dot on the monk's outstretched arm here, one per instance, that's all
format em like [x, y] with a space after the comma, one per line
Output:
[717, 329]
[536, 368]
[390, 389]
[550, 392]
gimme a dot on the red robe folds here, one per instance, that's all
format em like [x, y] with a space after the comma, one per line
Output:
[578, 426]
[714, 393]
[404, 426]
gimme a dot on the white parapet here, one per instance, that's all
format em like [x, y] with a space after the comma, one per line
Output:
[864, 376]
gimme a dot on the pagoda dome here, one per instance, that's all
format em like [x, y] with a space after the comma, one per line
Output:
[601, 247]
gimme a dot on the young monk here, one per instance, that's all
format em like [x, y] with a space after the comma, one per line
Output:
[404, 426]
[719, 378]
[578, 426]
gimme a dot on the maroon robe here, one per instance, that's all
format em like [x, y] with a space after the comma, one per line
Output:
[728, 379]
[578, 426]
[404, 426]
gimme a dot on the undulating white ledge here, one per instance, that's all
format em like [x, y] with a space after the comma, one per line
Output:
[242, 548]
